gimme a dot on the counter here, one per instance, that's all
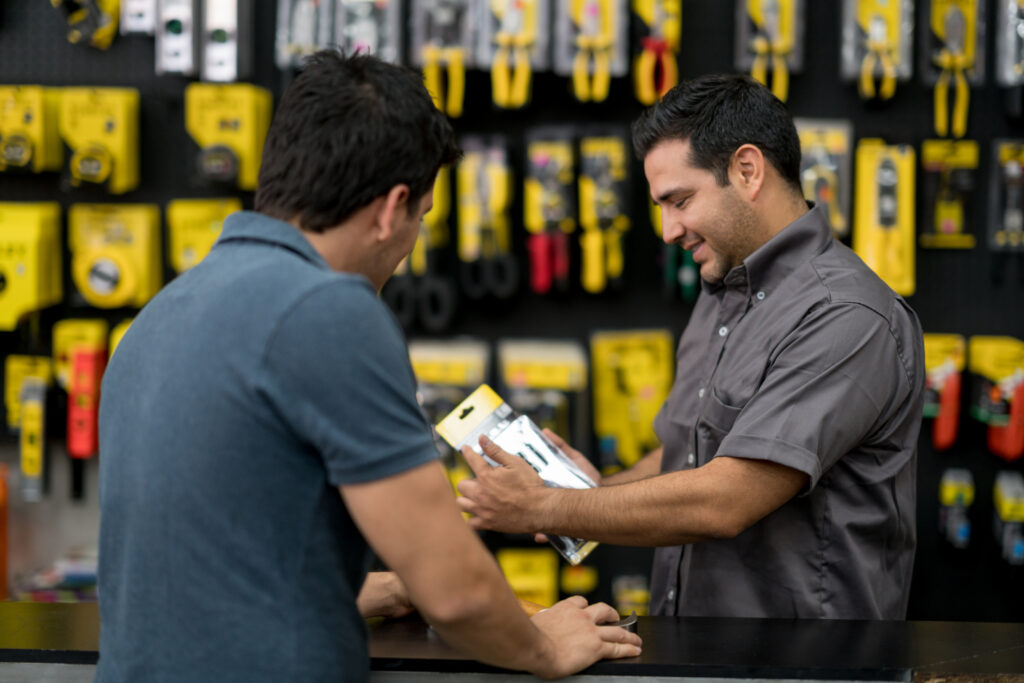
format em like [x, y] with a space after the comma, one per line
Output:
[48, 635]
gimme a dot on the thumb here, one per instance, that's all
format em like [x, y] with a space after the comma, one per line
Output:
[497, 454]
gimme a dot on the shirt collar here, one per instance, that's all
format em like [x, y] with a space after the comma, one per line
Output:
[250, 226]
[794, 245]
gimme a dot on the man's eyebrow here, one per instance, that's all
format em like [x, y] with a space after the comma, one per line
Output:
[664, 196]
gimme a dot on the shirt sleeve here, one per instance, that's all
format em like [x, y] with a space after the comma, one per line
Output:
[829, 384]
[337, 370]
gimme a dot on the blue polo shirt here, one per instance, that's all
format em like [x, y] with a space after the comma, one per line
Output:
[243, 394]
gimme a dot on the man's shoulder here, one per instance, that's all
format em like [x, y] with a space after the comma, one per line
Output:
[846, 279]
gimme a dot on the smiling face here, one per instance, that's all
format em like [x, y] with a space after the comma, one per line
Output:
[713, 222]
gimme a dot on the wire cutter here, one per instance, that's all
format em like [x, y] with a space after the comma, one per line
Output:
[953, 59]
[488, 267]
[880, 21]
[511, 70]
[772, 43]
[443, 48]
[656, 71]
[594, 20]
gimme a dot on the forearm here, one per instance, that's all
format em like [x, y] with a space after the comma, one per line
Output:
[670, 509]
[647, 466]
[492, 628]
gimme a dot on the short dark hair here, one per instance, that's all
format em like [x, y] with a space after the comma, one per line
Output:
[346, 131]
[718, 113]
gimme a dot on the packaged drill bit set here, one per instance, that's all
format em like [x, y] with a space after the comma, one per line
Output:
[485, 413]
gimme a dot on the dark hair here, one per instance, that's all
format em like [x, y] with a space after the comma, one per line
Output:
[719, 113]
[347, 130]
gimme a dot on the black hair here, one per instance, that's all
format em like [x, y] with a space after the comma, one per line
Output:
[718, 113]
[346, 131]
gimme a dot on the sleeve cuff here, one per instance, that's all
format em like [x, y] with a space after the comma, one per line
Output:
[774, 450]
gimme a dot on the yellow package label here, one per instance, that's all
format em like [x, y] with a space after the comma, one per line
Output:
[17, 368]
[885, 228]
[632, 377]
[30, 260]
[29, 137]
[230, 123]
[194, 225]
[943, 349]
[101, 126]
[91, 333]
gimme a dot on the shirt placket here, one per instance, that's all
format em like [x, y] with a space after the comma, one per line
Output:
[734, 303]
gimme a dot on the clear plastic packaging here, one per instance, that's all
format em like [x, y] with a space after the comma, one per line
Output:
[484, 412]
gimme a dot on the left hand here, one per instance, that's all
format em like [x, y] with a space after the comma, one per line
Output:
[501, 498]
[383, 595]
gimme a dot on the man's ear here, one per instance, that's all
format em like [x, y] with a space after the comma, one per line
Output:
[396, 200]
[747, 170]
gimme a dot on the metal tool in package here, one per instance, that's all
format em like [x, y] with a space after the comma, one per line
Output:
[485, 413]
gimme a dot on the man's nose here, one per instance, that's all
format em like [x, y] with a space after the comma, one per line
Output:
[671, 230]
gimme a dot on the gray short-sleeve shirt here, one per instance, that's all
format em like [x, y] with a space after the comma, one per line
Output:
[242, 395]
[804, 357]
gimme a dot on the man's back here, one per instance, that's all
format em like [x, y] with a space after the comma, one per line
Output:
[225, 552]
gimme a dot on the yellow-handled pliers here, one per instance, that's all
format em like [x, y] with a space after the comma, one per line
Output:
[770, 44]
[656, 71]
[879, 51]
[511, 70]
[443, 52]
[953, 60]
[594, 18]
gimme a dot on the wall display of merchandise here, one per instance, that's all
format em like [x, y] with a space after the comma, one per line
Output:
[130, 130]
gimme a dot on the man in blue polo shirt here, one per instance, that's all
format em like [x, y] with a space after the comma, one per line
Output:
[269, 378]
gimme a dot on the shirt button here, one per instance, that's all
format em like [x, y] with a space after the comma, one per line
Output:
[760, 296]
[722, 331]
[671, 594]
[690, 459]
[700, 394]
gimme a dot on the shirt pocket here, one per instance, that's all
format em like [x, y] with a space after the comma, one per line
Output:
[716, 420]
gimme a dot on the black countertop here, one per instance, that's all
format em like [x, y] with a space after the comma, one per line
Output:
[742, 648]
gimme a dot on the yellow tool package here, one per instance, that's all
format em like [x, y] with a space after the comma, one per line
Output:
[29, 136]
[877, 36]
[947, 185]
[884, 233]
[101, 127]
[769, 40]
[30, 260]
[115, 253]
[826, 147]
[442, 45]
[954, 57]
[591, 39]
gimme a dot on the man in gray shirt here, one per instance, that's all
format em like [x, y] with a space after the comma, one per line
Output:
[785, 483]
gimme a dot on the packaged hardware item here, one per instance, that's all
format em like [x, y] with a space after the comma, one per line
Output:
[484, 412]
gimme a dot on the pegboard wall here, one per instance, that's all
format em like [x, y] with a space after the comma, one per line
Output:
[966, 292]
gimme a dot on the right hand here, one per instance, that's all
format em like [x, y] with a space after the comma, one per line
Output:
[582, 461]
[577, 638]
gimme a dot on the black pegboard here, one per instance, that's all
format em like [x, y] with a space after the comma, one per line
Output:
[955, 290]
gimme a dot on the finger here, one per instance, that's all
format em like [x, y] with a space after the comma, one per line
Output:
[603, 613]
[475, 462]
[468, 487]
[617, 634]
[477, 524]
[575, 601]
[620, 650]
[540, 538]
[555, 439]
[466, 505]
[495, 453]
